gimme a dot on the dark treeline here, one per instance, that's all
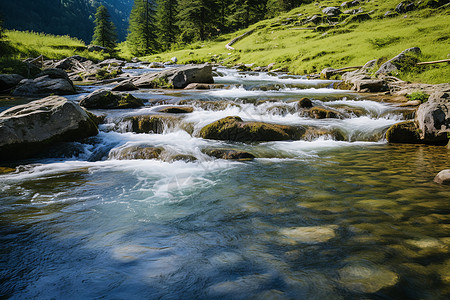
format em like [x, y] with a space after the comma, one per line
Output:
[161, 24]
[63, 17]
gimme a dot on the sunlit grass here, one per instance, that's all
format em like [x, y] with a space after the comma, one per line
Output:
[301, 51]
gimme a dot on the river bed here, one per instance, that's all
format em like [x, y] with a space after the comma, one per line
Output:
[320, 218]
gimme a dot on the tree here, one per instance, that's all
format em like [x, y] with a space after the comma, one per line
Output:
[247, 12]
[196, 19]
[141, 38]
[104, 31]
[166, 22]
[1, 28]
[275, 7]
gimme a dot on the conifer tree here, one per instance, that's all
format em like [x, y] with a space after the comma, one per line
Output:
[196, 19]
[141, 38]
[1, 29]
[166, 22]
[104, 31]
[247, 12]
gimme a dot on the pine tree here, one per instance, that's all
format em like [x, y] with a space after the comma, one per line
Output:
[196, 19]
[247, 12]
[141, 37]
[166, 22]
[105, 31]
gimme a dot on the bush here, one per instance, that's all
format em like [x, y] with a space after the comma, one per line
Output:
[433, 3]
[419, 95]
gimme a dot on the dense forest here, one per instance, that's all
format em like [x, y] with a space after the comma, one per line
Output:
[167, 22]
[64, 17]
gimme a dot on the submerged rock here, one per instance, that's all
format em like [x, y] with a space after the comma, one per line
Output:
[27, 129]
[304, 103]
[234, 129]
[404, 132]
[229, 154]
[104, 99]
[443, 177]
[366, 279]
[135, 152]
[177, 78]
[321, 113]
[310, 234]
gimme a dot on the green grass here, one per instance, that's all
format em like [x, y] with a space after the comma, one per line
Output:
[349, 44]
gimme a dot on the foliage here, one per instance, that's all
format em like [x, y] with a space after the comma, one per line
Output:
[142, 31]
[166, 19]
[72, 17]
[419, 95]
[104, 73]
[105, 31]
[196, 19]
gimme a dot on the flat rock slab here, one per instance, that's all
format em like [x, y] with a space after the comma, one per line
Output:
[310, 234]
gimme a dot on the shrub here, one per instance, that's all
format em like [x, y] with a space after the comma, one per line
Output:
[419, 95]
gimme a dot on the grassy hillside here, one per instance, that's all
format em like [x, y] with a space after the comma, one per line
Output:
[288, 43]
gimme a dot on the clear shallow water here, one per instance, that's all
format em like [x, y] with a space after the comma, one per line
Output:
[306, 220]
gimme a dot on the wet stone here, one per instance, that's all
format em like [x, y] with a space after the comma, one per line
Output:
[310, 234]
[366, 278]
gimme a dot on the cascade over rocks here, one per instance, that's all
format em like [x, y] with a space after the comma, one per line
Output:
[151, 123]
[135, 152]
[104, 99]
[29, 128]
[177, 78]
[50, 81]
[234, 129]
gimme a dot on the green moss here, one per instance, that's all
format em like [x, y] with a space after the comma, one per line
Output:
[5, 170]
[404, 132]
[422, 96]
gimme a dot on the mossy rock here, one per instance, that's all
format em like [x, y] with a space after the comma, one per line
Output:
[176, 110]
[357, 18]
[182, 157]
[234, 129]
[103, 99]
[229, 154]
[304, 103]
[342, 85]
[322, 113]
[151, 123]
[135, 152]
[312, 133]
[404, 132]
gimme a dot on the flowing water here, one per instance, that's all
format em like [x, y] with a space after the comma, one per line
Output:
[321, 218]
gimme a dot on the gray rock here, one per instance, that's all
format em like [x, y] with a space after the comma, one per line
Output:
[405, 6]
[443, 177]
[27, 129]
[350, 3]
[332, 11]
[174, 59]
[135, 152]
[92, 48]
[9, 81]
[103, 99]
[177, 77]
[392, 64]
[69, 63]
[125, 86]
[112, 62]
[370, 86]
[433, 118]
[229, 154]
[50, 81]
[156, 65]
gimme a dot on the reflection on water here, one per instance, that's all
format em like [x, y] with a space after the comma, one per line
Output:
[320, 218]
[364, 221]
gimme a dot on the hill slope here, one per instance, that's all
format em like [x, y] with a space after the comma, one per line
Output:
[300, 46]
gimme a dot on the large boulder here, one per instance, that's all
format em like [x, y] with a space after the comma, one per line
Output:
[9, 81]
[27, 129]
[177, 78]
[234, 129]
[104, 99]
[433, 118]
[70, 63]
[48, 82]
